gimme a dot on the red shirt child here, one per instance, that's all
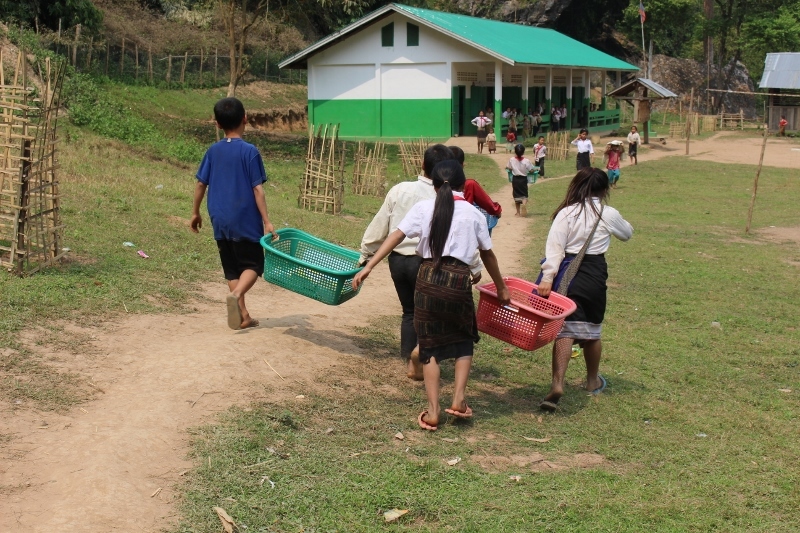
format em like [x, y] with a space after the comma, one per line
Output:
[511, 137]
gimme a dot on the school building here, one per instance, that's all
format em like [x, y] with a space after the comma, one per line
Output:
[403, 72]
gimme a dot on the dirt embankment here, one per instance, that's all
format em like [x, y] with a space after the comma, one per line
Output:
[277, 120]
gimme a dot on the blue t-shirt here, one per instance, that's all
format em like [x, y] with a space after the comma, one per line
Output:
[231, 169]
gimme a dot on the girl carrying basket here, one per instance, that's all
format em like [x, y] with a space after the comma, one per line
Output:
[450, 229]
[582, 226]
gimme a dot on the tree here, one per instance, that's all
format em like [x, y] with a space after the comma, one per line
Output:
[239, 17]
[770, 32]
[672, 24]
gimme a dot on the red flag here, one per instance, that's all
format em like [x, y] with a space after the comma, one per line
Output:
[642, 14]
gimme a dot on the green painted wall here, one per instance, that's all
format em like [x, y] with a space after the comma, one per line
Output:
[372, 119]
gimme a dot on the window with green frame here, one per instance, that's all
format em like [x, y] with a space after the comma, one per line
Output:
[387, 35]
[412, 34]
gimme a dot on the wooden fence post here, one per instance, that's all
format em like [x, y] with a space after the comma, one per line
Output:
[122, 58]
[89, 54]
[755, 183]
[183, 67]
[169, 69]
[150, 64]
[688, 121]
[201, 67]
[108, 53]
[75, 45]
[136, 51]
[216, 59]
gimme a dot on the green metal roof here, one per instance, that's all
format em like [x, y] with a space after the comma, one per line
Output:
[518, 43]
[510, 43]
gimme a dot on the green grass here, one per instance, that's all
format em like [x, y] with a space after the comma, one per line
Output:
[672, 377]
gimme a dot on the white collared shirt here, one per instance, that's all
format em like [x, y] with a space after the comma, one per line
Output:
[399, 201]
[572, 227]
[481, 122]
[519, 168]
[584, 146]
[468, 230]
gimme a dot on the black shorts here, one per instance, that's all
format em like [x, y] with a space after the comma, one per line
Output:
[238, 256]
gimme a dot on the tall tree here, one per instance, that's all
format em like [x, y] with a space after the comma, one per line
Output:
[239, 17]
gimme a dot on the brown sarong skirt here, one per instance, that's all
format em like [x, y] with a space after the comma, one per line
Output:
[444, 312]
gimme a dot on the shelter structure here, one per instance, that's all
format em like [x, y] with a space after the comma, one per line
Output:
[405, 72]
[782, 78]
[641, 92]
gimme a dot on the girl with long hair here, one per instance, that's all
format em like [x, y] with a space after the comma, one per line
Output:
[580, 216]
[449, 229]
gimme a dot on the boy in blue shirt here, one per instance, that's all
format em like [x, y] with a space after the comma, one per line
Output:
[233, 173]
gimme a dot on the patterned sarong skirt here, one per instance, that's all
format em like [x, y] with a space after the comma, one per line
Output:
[444, 312]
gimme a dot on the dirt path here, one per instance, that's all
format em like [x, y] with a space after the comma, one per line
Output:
[112, 463]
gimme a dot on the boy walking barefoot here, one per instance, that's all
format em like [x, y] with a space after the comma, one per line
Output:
[233, 173]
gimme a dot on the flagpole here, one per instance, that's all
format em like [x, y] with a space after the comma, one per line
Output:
[644, 50]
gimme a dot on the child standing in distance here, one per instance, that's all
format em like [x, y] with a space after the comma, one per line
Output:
[449, 231]
[782, 126]
[233, 173]
[511, 138]
[633, 144]
[491, 141]
[539, 155]
[585, 150]
[613, 156]
[520, 167]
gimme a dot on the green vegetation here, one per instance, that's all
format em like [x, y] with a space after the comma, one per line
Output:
[695, 433]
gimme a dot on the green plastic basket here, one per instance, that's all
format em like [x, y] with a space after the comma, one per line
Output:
[304, 264]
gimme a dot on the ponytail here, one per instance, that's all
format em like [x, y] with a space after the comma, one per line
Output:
[447, 175]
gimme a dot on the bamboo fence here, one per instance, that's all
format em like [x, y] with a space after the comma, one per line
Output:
[322, 186]
[557, 145]
[369, 170]
[31, 231]
[411, 154]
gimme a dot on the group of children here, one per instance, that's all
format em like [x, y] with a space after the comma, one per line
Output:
[434, 220]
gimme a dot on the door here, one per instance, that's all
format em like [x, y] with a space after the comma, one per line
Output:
[457, 113]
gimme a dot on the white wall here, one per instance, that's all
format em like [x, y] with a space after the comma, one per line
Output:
[399, 71]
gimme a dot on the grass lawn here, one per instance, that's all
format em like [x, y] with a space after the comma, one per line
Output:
[695, 433]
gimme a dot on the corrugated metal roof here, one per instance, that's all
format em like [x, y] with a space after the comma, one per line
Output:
[632, 85]
[781, 71]
[510, 43]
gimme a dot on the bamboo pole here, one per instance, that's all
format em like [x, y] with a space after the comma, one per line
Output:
[183, 67]
[122, 58]
[169, 69]
[136, 51]
[75, 45]
[108, 53]
[150, 64]
[89, 54]
[216, 60]
[755, 182]
[688, 121]
[201, 67]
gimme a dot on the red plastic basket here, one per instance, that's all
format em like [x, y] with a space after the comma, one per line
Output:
[530, 322]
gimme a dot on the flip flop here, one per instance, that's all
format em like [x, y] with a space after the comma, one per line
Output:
[234, 313]
[467, 413]
[549, 405]
[602, 387]
[252, 324]
[423, 424]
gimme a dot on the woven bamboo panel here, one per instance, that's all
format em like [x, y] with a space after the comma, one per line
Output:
[322, 186]
[557, 145]
[369, 170]
[31, 231]
[412, 154]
